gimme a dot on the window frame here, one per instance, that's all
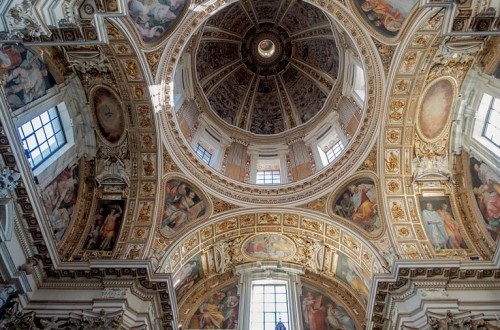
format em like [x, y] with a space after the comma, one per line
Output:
[270, 270]
[358, 86]
[487, 122]
[267, 302]
[203, 153]
[481, 109]
[333, 151]
[268, 162]
[56, 162]
[40, 135]
[261, 175]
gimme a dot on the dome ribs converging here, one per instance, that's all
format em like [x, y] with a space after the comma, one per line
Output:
[219, 76]
[266, 10]
[291, 116]
[301, 16]
[307, 97]
[249, 100]
[284, 6]
[253, 57]
[267, 116]
[229, 95]
[233, 19]
[320, 30]
[247, 6]
[272, 90]
[213, 33]
[324, 82]
[212, 56]
[319, 53]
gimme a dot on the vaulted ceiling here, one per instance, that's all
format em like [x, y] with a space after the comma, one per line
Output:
[260, 74]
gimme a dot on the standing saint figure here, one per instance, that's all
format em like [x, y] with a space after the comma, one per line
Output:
[434, 225]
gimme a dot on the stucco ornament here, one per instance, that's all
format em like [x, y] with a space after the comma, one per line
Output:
[8, 180]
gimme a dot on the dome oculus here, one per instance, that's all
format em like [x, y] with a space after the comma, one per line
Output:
[266, 48]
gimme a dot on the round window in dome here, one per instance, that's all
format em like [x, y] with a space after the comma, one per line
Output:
[266, 48]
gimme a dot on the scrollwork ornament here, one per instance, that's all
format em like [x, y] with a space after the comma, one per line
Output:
[8, 181]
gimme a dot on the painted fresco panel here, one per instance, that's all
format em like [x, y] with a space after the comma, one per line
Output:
[220, 311]
[269, 246]
[354, 276]
[385, 16]
[27, 76]
[106, 225]
[109, 115]
[153, 18]
[182, 205]
[59, 199]
[486, 188]
[319, 312]
[440, 223]
[436, 108]
[358, 204]
[187, 276]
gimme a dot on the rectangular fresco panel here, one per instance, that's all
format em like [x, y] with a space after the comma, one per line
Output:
[59, 199]
[219, 311]
[187, 276]
[440, 223]
[319, 312]
[486, 188]
[354, 276]
[106, 225]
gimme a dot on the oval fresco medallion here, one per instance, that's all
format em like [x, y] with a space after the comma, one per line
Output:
[108, 114]
[269, 246]
[435, 108]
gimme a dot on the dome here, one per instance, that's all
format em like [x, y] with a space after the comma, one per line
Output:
[272, 87]
[270, 75]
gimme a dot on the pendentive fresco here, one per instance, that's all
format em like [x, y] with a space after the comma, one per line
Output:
[182, 205]
[385, 16]
[153, 19]
[358, 204]
[27, 77]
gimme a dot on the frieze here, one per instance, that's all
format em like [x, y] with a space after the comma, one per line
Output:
[316, 205]
[220, 206]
